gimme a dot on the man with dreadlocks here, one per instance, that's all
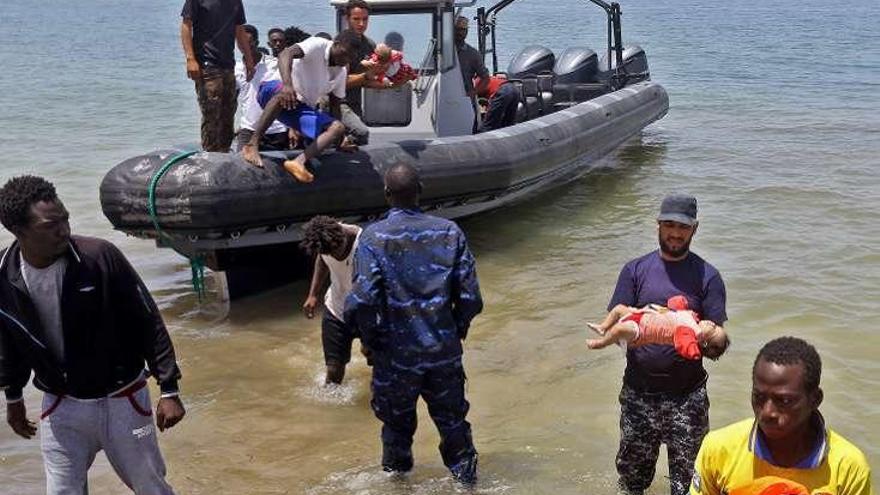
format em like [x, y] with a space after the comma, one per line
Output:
[333, 244]
[73, 311]
[786, 448]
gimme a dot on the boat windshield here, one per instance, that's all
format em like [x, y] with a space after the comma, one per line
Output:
[411, 33]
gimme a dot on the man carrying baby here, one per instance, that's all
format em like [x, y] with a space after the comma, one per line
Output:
[663, 398]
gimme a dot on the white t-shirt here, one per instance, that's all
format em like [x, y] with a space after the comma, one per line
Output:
[340, 277]
[312, 76]
[265, 70]
[44, 286]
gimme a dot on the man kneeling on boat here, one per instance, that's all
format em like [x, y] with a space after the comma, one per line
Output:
[309, 70]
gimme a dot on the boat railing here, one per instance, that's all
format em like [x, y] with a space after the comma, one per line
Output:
[424, 73]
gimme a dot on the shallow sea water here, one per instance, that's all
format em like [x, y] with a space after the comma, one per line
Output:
[773, 125]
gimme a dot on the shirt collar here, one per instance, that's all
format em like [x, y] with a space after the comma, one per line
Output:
[758, 446]
[403, 211]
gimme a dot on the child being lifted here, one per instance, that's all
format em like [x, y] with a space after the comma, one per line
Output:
[388, 66]
[672, 325]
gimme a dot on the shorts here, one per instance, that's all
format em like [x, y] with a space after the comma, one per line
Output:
[336, 338]
[305, 119]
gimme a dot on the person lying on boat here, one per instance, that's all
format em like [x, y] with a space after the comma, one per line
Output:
[498, 102]
[308, 70]
[387, 67]
[673, 325]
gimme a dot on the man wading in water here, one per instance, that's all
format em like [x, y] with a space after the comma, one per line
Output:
[663, 399]
[333, 244]
[414, 295]
[75, 312]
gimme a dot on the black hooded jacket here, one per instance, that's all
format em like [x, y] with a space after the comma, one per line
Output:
[110, 325]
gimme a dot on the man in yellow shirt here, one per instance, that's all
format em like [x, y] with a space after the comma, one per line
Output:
[786, 448]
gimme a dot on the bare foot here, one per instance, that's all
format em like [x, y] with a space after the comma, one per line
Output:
[251, 154]
[594, 343]
[347, 145]
[298, 170]
[597, 328]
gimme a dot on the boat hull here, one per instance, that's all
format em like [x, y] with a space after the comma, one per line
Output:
[215, 202]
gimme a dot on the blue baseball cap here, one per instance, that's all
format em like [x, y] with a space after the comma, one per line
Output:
[679, 208]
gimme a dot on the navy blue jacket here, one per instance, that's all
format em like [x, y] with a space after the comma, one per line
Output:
[415, 289]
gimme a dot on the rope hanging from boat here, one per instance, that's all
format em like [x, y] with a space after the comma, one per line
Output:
[196, 261]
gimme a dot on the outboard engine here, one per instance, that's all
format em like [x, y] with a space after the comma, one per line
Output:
[577, 65]
[531, 60]
[635, 64]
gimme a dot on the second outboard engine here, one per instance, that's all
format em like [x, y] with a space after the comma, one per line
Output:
[635, 63]
[577, 65]
[532, 60]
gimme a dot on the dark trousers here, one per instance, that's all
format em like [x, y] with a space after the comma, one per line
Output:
[216, 93]
[646, 421]
[502, 109]
[395, 392]
[271, 142]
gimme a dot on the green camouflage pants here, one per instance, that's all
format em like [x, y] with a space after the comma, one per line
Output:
[646, 421]
[216, 92]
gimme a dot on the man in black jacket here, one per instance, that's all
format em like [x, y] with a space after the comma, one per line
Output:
[73, 311]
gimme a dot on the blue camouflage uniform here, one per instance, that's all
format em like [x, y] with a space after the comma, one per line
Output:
[414, 295]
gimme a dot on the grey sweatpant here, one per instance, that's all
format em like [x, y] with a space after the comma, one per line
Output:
[75, 430]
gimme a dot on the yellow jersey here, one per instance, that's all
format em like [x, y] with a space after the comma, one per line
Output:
[735, 456]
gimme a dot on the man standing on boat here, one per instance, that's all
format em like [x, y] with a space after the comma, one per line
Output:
[309, 70]
[414, 295]
[471, 64]
[357, 16]
[208, 32]
[73, 311]
[663, 399]
[276, 137]
[786, 447]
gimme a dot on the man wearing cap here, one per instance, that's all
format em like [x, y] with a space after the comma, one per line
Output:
[663, 398]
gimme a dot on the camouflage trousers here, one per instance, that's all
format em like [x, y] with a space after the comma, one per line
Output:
[646, 421]
[217, 101]
[395, 393]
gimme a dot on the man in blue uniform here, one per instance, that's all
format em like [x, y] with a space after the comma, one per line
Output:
[414, 295]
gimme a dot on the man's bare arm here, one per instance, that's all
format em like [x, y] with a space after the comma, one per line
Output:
[193, 71]
[242, 39]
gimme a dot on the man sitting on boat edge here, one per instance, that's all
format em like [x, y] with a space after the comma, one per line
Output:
[309, 70]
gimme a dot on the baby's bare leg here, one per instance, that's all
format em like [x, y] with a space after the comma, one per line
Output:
[616, 313]
[620, 331]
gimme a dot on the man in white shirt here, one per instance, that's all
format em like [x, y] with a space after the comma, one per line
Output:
[309, 71]
[266, 68]
[333, 244]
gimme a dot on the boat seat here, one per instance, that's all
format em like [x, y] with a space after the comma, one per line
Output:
[521, 112]
[533, 103]
[545, 87]
[387, 107]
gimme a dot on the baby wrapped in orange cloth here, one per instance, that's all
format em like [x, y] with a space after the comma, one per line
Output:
[388, 66]
[674, 325]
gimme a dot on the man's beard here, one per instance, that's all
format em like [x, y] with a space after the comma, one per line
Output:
[674, 253]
